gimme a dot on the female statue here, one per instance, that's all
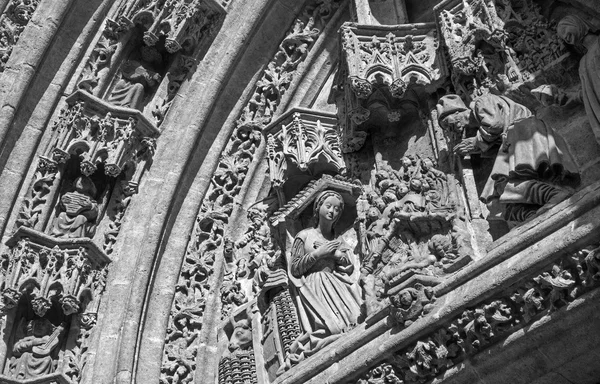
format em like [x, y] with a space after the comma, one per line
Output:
[326, 273]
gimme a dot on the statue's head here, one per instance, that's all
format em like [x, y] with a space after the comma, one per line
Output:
[453, 114]
[572, 29]
[40, 327]
[328, 206]
[85, 185]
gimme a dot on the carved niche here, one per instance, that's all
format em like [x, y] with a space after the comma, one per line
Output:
[381, 66]
[300, 145]
[50, 295]
[146, 42]
[494, 46]
[93, 146]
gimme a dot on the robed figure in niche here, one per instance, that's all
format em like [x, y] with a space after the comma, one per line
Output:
[326, 271]
[79, 211]
[33, 352]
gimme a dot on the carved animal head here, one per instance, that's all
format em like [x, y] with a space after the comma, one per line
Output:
[241, 338]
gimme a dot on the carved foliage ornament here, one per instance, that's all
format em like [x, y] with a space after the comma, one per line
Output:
[193, 285]
[487, 323]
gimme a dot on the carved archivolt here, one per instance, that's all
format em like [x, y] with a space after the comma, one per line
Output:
[207, 241]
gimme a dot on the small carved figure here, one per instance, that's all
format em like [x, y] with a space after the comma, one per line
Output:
[32, 354]
[241, 338]
[532, 163]
[136, 80]
[79, 211]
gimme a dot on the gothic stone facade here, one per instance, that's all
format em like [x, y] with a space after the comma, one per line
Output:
[285, 191]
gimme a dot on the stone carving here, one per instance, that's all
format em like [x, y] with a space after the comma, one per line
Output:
[410, 227]
[127, 190]
[79, 211]
[176, 76]
[35, 201]
[495, 46]
[378, 67]
[532, 162]
[70, 273]
[190, 296]
[114, 138]
[227, 182]
[308, 142]
[237, 363]
[382, 374]
[181, 23]
[12, 23]
[410, 303]
[135, 82]
[101, 57]
[574, 31]
[479, 327]
[32, 353]
[326, 272]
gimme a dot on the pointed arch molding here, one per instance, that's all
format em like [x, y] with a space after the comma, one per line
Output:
[213, 113]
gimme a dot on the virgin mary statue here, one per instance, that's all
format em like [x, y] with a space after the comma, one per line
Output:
[325, 271]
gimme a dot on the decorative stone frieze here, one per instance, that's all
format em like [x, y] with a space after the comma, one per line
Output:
[481, 326]
[13, 21]
[60, 281]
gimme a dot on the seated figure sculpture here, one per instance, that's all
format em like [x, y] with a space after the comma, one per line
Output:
[79, 211]
[32, 354]
[326, 273]
[532, 166]
[136, 80]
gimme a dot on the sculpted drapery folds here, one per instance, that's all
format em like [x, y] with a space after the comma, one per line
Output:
[33, 353]
[532, 162]
[326, 272]
[80, 211]
[574, 31]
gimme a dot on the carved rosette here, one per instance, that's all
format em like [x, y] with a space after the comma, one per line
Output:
[302, 140]
[71, 273]
[491, 321]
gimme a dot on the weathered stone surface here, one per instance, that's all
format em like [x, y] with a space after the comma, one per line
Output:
[280, 191]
